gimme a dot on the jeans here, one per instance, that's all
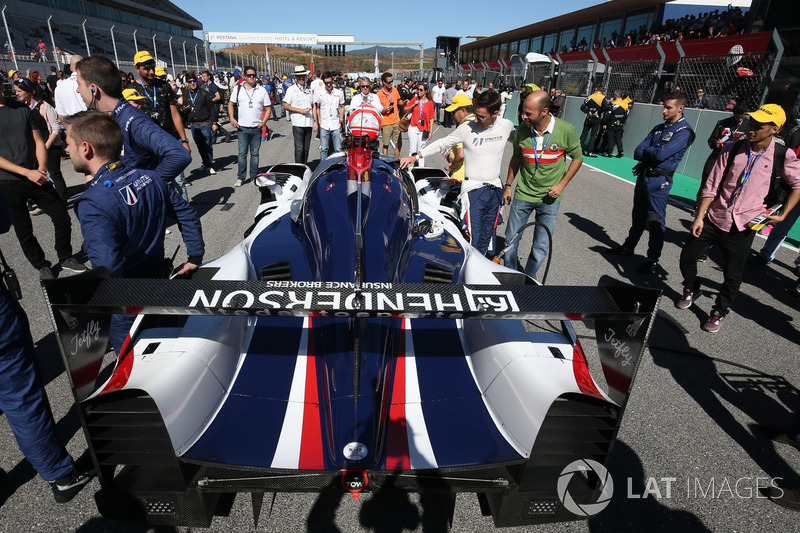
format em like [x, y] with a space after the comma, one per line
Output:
[735, 247]
[482, 215]
[22, 395]
[650, 196]
[249, 138]
[778, 235]
[437, 112]
[203, 138]
[545, 213]
[302, 143]
[325, 137]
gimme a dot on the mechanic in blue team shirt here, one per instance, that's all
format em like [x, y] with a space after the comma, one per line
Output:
[659, 155]
[123, 212]
[23, 398]
[147, 146]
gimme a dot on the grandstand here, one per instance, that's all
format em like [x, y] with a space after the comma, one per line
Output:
[113, 28]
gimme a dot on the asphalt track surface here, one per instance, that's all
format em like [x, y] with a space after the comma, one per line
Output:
[690, 417]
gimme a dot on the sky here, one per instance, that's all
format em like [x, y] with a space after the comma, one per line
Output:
[371, 23]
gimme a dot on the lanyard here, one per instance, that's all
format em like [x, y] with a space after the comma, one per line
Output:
[193, 98]
[536, 154]
[748, 169]
[421, 106]
[153, 98]
[250, 96]
[108, 167]
[34, 103]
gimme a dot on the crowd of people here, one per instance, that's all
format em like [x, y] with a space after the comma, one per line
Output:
[714, 23]
[127, 132]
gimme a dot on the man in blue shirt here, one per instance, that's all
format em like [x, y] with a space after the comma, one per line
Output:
[123, 212]
[659, 155]
[147, 146]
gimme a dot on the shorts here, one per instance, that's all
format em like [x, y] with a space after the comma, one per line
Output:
[391, 132]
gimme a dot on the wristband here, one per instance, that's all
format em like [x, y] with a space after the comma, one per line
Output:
[508, 184]
[184, 141]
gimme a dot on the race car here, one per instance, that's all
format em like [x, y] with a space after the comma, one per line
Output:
[353, 341]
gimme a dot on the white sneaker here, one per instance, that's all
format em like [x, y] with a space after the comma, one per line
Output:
[211, 170]
[238, 183]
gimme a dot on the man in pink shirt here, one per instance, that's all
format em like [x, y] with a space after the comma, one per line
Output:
[735, 194]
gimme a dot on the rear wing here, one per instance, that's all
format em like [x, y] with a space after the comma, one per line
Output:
[81, 308]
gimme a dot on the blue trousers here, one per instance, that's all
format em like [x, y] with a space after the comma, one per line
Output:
[22, 395]
[649, 212]
[545, 213]
[483, 215]
[325, 136]
[204, 140]
[249, 139]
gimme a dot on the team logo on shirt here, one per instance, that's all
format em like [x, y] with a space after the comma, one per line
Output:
[477, 141]
[129, 195]
[553, 147]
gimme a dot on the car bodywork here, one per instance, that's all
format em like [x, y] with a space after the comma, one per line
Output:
[353, 339]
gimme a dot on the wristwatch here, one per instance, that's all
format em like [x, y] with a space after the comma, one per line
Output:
[508, 184]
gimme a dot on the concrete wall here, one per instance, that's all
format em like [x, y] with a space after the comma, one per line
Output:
[644, 117]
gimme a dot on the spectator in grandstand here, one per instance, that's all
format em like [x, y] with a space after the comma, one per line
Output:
[329, 114]
[198, 107]
[437, 92]
[737, 191]
[161, 105]
[23, 399]
[540, 155]
[23, 177]
[422, 112]
[249, 108]
[484, 142]
[123, 211]
[594, 106]
[9, 53]
[659, 154]
[147, 146]
[700, 102]
[68, 101]
[46, 120]
[615, 119]
[390, 115]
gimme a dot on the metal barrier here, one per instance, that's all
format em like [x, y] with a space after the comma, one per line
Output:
[741, 78]
[638, 77]
[575, 78]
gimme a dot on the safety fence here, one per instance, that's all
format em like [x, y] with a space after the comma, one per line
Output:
[638, 77]
[740, 78]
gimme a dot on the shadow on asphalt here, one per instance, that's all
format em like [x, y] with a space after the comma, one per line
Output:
[638, 514]
[719, 388]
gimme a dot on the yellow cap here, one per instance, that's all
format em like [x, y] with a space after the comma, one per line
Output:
[769, 113]
[133, 94]
[459, 100]
[142, 57]
[161, 71]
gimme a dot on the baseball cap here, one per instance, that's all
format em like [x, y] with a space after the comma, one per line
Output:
[769, 113]
[161, 71]
[133, 94]
[11, 73]
[459, 100]
[142, 57]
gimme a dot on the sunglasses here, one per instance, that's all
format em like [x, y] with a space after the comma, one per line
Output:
[191, 81]
[329, 83]
[421, 89]
[249, 75]
[148, 66]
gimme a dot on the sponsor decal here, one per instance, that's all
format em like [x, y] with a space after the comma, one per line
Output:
[128, 194]
[553, 147]
[355, 451]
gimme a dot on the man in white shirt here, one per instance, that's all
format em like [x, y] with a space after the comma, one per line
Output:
[364, 96]
[298, 102]
[467, 88]
[438, 98]
[68, 101]
[329, 114]
[246, 110]
[484, 141]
